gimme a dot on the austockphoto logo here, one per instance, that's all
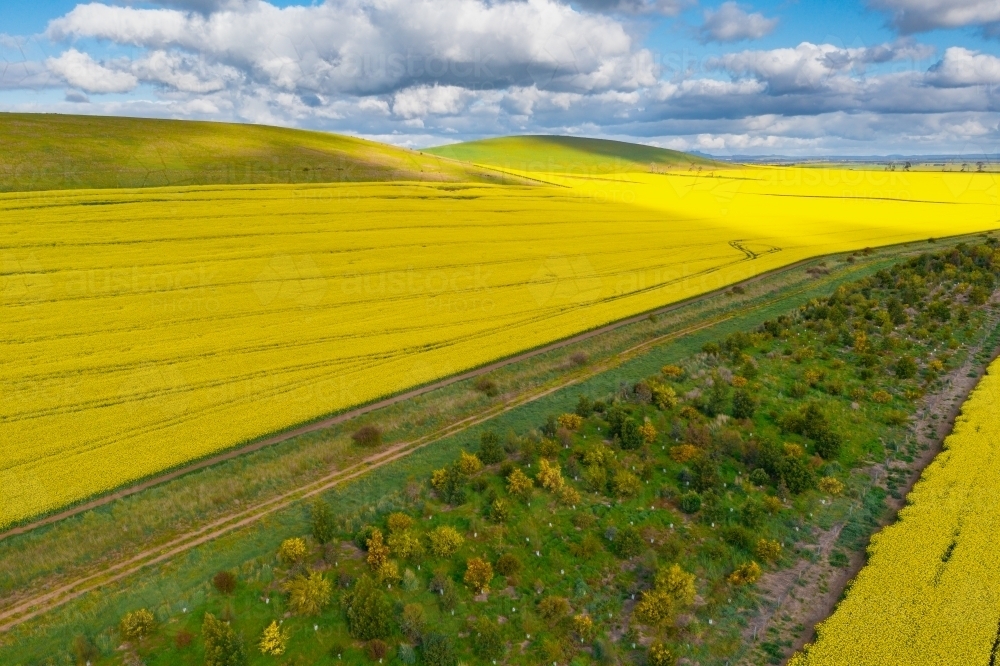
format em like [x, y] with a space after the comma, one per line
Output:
[415, 66]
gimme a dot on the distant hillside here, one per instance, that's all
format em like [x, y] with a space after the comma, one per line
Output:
[52, 152]
[566, 154]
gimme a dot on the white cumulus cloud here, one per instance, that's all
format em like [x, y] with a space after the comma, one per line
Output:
[962, 67]
[81, 71]
[732, 23]
[911, 16]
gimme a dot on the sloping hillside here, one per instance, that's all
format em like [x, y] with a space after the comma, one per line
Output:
[567, 154]
[55, 152]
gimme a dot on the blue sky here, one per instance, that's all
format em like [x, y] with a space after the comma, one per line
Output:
[867, 77]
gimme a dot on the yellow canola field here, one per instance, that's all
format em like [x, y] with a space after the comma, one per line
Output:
[930, 594]
[143, 329]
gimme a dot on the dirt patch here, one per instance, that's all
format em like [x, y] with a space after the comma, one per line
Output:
[796, 599]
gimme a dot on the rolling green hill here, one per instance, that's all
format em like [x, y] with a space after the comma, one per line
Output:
[567, 154]
[55, 152]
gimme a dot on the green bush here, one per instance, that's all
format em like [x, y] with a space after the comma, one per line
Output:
[321, 517]
[223, 646]
[690, 502]
[438, 650]
[488, 639]
[368, 611]
[627, 543]
[490, 449]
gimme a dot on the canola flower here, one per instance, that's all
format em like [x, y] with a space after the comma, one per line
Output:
[930, 593]
[143, 329]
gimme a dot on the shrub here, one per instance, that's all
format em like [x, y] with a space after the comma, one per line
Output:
[677, 583]
[406, 654]
[684, 452]
[906, 367]
[308, 595]
[487, 387]
[368, 436]
[376, 649]
[448, 483]
[549, 475]
[292, 551]
[224, 582]
[759, 477]
[660, 655]
[273, 641]
[625, 484]
[690, 502]
[881, 397]
[584, 627]
[648, 432]
[570, 421]
[584, 407]
[445, 541]
[672, 371]
[368, 611]
[378, 552]
[664, 397]
[744, 404]
[84, 651]
[752, 513]
[399, 522]
[499, 511]
[553, 608]
[487, 640]
[183, 639]
[519, 484]
[490, 449]
[655, 609]
[137, 624]
[321, 519]
[478, 574]
[468, 464]
[405, 545]
[412, 621]
[508, 565]
[830, 485]
[738, 536]
[438, 650]
[223, 646]
[630, 435]
[768, 550]
[745, 574]
[627, 543]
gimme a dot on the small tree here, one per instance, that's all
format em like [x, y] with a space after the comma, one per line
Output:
[584, 407]
[469, 464]
[487, 639]
[519, 484]
[292, 551]
[478, 575]
[323, 528]
[660, 655]
[405, 545]
[445, 541]
[553, 608]
[273, 641]
[676, 583]
[438, 650]
[664, 397]
[768, 550]
[137, 624]
[223, 646]
[308, 595]
[583, 625]
[625, 484]
[367, 436]
[368, 611]
[570, 421]
[744, 404]
[655, 609]
[745, 574]
[549, 476]
[224, 582]
[490, 448]
[630, 434]
[412, 621]
[378, 552]
[399, 522]
[508, 565]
